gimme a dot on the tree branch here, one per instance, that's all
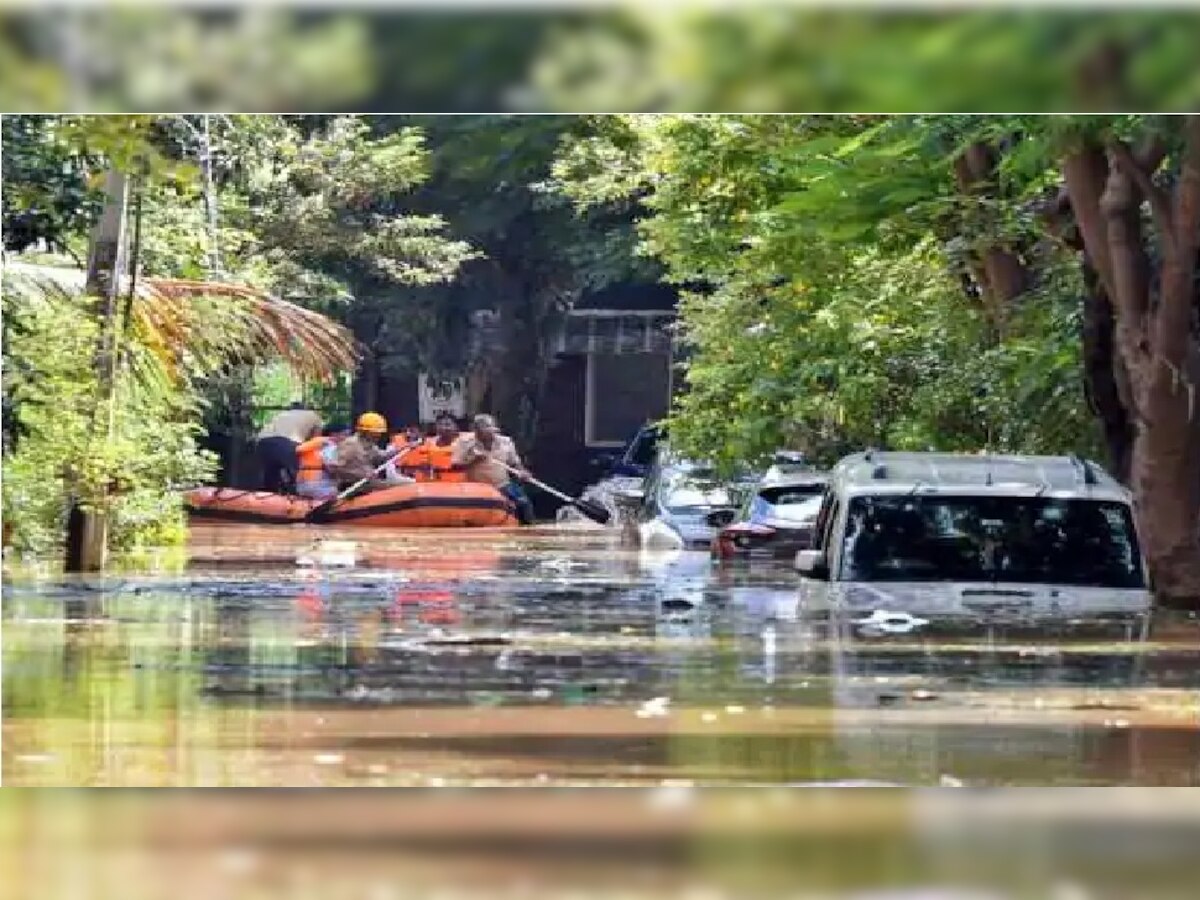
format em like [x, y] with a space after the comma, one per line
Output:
[1160, 203]
[1085, 172]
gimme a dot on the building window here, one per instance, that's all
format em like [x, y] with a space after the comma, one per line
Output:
[624, 391]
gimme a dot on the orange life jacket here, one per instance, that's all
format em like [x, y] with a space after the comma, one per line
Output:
[431, 462]
[312, 466]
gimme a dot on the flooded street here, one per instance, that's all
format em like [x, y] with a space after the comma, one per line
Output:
[304, 657]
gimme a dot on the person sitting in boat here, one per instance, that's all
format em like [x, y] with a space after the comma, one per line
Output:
[316, 456]
[277, 443]
[433, 458]
[489, 457]
[361, 454]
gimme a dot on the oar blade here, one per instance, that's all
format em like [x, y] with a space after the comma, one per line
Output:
[317, 513]
[593, 511]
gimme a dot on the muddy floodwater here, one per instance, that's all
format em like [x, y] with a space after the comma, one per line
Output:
[302, 657]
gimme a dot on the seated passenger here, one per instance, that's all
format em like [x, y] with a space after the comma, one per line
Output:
[433, 459]
[359, 455]
[313, 479]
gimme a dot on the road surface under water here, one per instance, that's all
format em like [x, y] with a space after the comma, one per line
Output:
[552, 656]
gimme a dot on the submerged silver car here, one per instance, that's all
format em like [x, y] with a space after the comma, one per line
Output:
[675, 502]
[974, 537]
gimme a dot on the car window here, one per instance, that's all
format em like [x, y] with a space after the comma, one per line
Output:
[644, 449]
[687, 492]
[992, 538]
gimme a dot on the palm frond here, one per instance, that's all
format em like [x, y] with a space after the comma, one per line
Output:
[201, 328]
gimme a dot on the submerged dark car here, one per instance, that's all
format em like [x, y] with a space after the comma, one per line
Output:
[775, 521]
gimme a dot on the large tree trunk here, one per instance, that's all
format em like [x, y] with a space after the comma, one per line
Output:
[1106, 383]
[1155, 336]
[87, 530]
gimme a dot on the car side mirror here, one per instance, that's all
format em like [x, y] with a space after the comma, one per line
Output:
[812, 564]
[719, 518]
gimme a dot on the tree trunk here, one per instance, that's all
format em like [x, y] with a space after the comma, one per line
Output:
[87, 530]
[1106, 383]
[210, 199]
[1154, 338]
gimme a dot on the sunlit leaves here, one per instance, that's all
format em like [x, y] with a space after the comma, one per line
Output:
[833, 317]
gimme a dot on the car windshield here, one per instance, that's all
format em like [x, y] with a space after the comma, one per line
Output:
[690, 490]
[795, 503]
[1017, 539]
[644, 448]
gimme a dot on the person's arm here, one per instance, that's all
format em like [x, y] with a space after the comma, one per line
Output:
[512, 458]
[463, 453]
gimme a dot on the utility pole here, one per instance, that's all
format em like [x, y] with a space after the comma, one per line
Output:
[87, 530]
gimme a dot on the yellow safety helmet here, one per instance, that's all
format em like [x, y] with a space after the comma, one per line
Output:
[372, 422]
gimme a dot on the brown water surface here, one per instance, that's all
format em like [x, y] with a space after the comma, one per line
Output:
[551, 657]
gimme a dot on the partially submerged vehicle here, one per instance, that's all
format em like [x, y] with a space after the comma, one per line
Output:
[775, 520]
[673, 504]
[975, 537]
[635, 458]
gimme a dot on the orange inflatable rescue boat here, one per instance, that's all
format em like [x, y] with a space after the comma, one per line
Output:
[420, 505]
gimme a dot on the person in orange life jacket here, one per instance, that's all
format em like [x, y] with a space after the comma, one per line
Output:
[316, 454]
[433, 460]
[359, 455]
[408, 442]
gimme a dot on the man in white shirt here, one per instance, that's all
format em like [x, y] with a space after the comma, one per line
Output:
[489, 457]
[277, 443]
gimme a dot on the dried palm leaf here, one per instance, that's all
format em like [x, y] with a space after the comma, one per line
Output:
[200, 328]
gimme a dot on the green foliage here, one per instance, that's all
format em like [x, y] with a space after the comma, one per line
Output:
[135, 477]
[781, 59]
[828, 310]
[336, 200]
[46, 196]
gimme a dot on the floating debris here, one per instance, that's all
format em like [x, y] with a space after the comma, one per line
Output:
[659, 706]
[333, 554]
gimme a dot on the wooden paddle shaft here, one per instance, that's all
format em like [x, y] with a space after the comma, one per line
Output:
[545, 487]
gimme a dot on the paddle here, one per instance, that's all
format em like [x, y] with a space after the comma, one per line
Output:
[593, 511]
[320, 511]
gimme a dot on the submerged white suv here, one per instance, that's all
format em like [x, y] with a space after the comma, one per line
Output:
[976, 537]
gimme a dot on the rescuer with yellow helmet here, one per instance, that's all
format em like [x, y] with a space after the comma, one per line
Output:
[359, 455]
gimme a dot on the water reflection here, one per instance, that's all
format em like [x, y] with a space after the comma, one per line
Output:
[553, 657]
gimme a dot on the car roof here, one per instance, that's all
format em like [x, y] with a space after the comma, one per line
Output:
[793, 479]
[890, 472]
